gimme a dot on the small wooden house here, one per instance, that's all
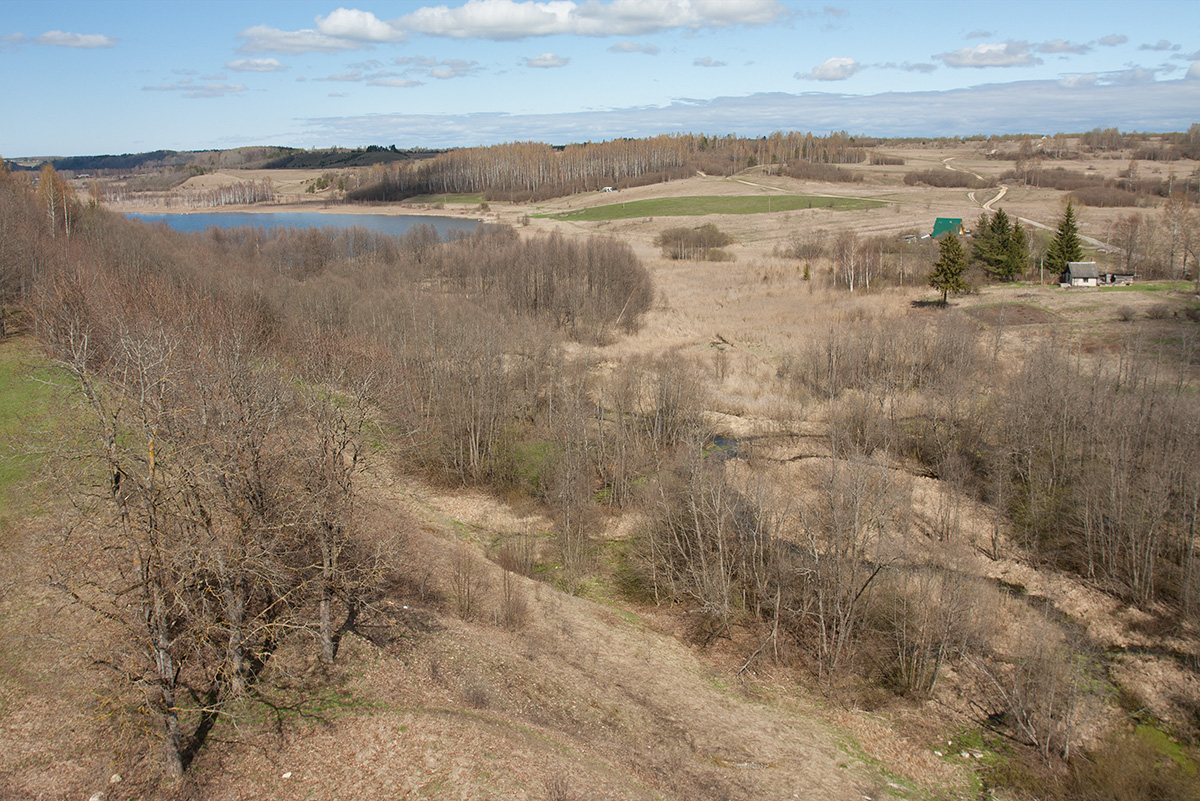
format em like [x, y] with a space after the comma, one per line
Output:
[1117, 276]
[1082, 273]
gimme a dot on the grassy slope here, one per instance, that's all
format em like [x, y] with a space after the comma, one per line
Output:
[31, 398]
[584, 697]
[582, 694]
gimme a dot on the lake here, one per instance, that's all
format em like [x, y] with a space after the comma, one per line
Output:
[394, 224]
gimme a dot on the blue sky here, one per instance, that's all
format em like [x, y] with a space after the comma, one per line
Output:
[113, 77]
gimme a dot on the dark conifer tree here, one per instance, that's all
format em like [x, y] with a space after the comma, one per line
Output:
[1066, 246]
[947, 275]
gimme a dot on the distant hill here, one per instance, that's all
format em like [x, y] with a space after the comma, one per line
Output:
[341, 157]
[262, 157]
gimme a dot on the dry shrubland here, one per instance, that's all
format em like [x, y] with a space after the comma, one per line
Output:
[840, 501]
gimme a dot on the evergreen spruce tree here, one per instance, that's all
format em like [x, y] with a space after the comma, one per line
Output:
[999, 246]
[1066, 246]
[985, 249]
[1016, 252]
[947, 275]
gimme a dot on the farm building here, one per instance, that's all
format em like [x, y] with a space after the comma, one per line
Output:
[1081, 273]
[945, 225]
[1117, 276]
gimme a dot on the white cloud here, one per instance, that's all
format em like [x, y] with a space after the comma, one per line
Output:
[198, 90]
[634, 47]
[832, 69]
[1084, 79]
[978, 34]
[349, 77]
[1062, 46]
[1017, 107]
[255, 65]
[1006, 54]
[509, 19]
[1114, 39]
[1159, 46]
[85, 41]
[1193, 72]
[547, 61]
[363, 26]
[350, 29]
[264, 39]
[708, 61]
[443, 70]
[395, 83]
[1132, 76]
[907, 66]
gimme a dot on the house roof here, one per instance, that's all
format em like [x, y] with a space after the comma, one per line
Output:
[947, 224]
[1083, 269]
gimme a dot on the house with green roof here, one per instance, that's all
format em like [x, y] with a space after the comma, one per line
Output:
[944, 225]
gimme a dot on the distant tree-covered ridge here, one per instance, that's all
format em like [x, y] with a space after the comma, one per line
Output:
[261, 157]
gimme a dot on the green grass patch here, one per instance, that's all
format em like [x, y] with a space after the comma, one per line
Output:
[1152, 286]
[1162, 743]
[698, 206]
[898, 786]
[35, 414]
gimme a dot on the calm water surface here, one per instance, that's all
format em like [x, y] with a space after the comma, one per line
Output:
[384, 224]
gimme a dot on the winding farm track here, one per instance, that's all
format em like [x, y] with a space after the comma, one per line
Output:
[987, 206]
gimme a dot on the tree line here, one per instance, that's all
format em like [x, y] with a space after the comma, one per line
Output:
[522, 171]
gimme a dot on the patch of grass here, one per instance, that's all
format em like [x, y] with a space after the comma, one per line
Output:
[1133, 765]
[1162, 743]
[897, 786]
[34, 413]
[699, 206]
[1149, 286]
[991, 761]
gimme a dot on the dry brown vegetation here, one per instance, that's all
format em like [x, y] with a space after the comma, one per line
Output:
[543, 513]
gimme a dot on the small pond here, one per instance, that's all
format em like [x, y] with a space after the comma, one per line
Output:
[394, 224]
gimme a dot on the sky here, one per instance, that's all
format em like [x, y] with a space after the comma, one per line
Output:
[99, 77]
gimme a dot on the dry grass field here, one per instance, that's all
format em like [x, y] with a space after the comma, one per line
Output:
[585, 693]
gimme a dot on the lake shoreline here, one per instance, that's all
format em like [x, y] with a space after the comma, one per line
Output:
[278, 216]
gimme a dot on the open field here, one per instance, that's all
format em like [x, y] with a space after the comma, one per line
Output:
[699, 206]
[572, 682]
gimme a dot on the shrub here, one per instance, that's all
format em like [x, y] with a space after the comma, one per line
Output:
[883, 159]
[1106, 197]
[1126, 313]
[807, 171]
[1132, 766]
[701, 244]
[946, 179]
[1159, 311]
